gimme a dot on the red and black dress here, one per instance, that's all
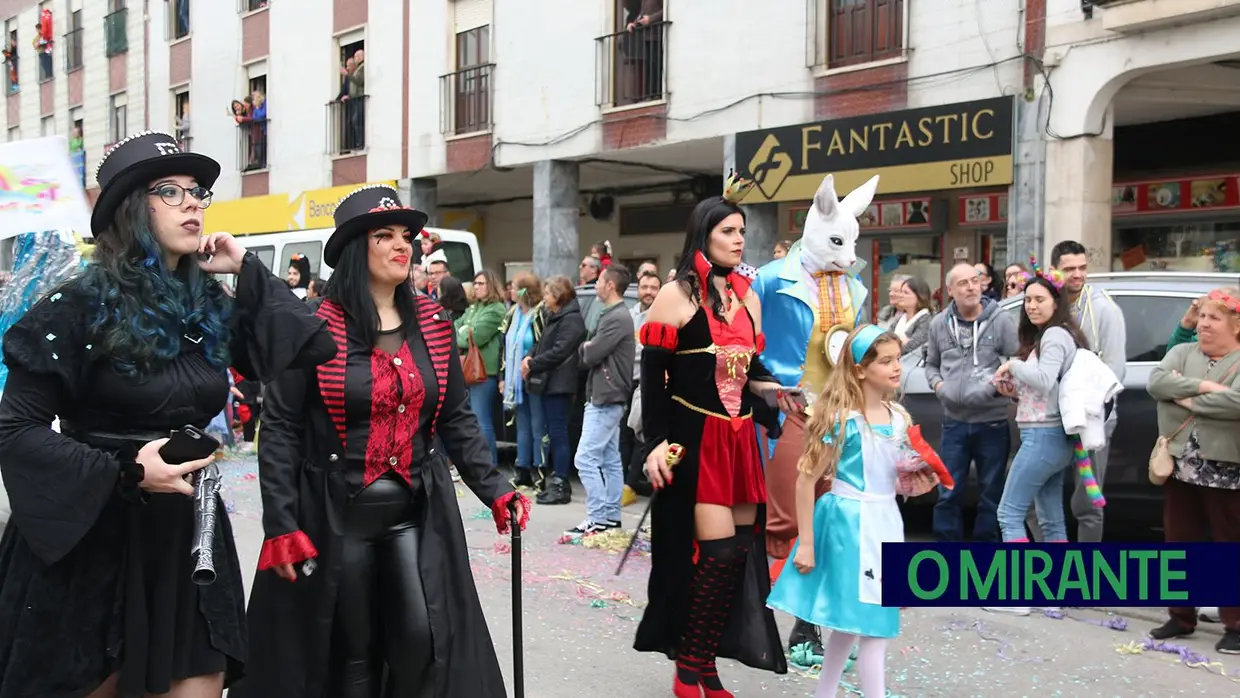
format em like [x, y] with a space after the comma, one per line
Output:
[707, 598]
[357, 498]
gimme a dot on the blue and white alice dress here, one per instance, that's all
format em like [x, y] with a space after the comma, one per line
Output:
[851, 522]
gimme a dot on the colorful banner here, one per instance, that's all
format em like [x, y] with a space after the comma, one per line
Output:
[40, 189]
[984, 209]
[1164, 196]
[904, 214]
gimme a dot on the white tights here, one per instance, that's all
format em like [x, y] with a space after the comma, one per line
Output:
[871, 657]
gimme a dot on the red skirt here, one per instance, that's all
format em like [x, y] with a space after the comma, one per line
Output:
[729, 468]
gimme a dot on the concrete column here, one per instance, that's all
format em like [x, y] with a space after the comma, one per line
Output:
[1078, 196]
[761, 220]
[557, 241]
[422, 194]
[1027, 197]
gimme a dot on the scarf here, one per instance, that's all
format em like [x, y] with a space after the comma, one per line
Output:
[514, 345]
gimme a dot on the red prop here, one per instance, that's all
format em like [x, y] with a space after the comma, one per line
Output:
[45, 25]
[918, 442]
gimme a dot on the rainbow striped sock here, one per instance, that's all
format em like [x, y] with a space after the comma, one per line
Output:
[1086, 468]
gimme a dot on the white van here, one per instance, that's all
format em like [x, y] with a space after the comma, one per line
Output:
[275, 250]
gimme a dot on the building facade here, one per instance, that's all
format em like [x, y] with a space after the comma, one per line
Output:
[90, 81]
[1142, 133]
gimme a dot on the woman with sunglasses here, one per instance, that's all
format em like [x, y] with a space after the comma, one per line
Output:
[96, 597]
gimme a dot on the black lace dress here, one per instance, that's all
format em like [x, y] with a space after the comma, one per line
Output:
[94, 572]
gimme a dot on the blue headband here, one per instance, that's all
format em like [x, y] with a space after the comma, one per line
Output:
[864, 340]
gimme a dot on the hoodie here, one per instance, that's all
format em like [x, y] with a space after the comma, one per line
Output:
[963, 355]
[1102, 323]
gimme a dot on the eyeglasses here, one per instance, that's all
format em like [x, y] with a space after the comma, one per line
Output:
[174, 194]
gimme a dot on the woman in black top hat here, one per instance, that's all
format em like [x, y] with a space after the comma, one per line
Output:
[359, 509]
[96, 597]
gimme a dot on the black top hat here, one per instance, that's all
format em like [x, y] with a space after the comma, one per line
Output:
[372, 206]
[135, 162]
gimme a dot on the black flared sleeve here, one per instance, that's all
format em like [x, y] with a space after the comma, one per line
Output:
[272, 329]
[57, 486]
[765, 414]
[659, 341]
[462, 437]
[281, 452]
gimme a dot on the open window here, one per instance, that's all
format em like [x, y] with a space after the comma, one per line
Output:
[73, 41]
[118, 118]
[11, 57]
[252, 127]
[346, 112]
[633, 58]
[180, 118]
[115, 28]
[178, 19]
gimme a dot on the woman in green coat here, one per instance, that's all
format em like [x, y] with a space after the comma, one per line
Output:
[481, 322]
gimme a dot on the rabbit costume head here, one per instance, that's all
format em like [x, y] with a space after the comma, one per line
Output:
[829, 241]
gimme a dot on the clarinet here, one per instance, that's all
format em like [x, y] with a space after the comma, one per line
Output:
[206, 489]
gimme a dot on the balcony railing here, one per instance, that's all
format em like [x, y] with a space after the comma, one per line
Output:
[346, 126]
[185, 143]
[465, 100]
[116, 33]
[632, 66]
[244, 6]
[252, 144]
[73, 50]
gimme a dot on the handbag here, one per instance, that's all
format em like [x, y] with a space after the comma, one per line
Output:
[474, 367]
[1161, 463]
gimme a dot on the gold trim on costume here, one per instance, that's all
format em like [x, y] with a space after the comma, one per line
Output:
[708, 413]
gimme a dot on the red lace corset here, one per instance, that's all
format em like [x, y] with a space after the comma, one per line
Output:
[396, 399]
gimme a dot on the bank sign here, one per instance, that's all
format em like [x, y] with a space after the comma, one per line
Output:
[277, 213]
[954, 146]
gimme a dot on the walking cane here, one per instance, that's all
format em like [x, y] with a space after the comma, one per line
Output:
[674, 453]
[518, 660]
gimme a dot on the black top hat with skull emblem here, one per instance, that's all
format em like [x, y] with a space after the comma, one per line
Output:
[137, 161]
[367, 208]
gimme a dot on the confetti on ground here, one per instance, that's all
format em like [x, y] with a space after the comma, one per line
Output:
[1188, 657]
[483, 514]
[502, 548]
[597, 596]
[1114, 622]
[614, 541]
[985, 633]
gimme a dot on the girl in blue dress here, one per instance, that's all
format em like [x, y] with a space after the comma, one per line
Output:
[857, 440]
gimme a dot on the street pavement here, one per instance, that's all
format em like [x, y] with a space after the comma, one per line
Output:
[579, 620]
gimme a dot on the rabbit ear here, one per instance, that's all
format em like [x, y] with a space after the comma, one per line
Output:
[825, 199]
[859, 200]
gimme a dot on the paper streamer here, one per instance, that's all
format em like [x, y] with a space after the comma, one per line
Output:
[1187, 656]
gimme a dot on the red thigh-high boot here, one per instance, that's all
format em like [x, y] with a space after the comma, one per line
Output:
[712, 687]
[712, 588]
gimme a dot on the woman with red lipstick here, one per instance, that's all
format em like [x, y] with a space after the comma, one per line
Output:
[707, 592]
[96, 595]
[365, 572]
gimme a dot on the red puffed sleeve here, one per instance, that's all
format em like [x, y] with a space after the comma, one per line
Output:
[660, 336]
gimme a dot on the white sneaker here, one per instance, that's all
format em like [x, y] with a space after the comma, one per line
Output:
[1209, 614]
[1009, 610]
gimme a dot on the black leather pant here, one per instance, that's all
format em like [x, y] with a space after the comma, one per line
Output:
[381, 613]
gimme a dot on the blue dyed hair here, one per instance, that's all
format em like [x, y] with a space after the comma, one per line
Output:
[144, 308]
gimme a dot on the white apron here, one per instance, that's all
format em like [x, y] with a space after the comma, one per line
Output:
[880, 516]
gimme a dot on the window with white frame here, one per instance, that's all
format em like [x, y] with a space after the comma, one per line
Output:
[178, 18]
[118, 117]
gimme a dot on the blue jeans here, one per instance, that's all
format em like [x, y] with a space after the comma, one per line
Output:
[531, 428]
[1037, 477]
[482, 403]
[987, 444]
[555, 418]
[598, 461]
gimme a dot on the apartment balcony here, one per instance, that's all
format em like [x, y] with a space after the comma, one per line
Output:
[252, 145]
[346, 126]
[116, 33]
[185, 142]
[632, 66]
[465, 100]
[1132, 16]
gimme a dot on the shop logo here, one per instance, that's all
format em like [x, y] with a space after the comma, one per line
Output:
[770, 166]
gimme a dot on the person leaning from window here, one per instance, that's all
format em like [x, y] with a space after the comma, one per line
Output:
[96, 595]
[551, 371]
[1200, 381]
[522, 327]
[480, 323]
[914, 311]
[352, 480]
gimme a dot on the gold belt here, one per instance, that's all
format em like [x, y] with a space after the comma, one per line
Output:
[708, 413]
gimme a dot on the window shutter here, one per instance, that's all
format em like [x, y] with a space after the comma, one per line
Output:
[471, 14]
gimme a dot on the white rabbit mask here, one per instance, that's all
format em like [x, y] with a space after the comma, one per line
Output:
[829, 242]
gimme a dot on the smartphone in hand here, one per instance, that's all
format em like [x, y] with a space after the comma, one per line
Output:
[186, 444]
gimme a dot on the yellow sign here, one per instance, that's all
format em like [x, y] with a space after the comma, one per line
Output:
[277, 213]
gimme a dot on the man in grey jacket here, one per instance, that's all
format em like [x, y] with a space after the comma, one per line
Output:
[968, 342]
[1102, 323]
[608, 356]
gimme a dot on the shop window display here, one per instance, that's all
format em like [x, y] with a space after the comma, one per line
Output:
[1189, 247]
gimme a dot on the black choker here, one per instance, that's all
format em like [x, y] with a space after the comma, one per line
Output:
[716, 270]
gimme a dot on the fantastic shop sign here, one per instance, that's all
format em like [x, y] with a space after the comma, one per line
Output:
[954, 146]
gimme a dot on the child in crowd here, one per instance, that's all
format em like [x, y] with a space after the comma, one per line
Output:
[857, 439]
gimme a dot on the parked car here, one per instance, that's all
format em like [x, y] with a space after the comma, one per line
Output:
[1152, 303]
